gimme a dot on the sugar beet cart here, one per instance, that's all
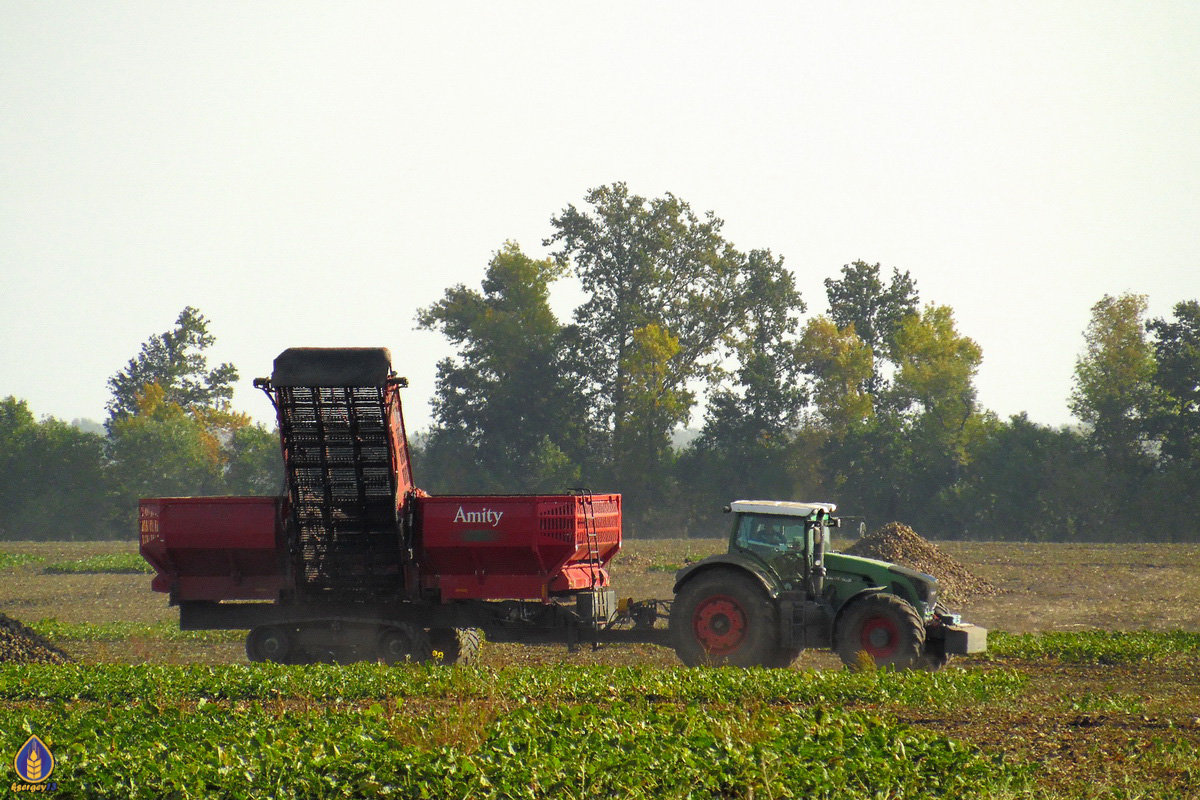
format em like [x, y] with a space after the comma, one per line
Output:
[355, 562]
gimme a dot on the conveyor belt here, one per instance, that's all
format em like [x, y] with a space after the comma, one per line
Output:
[339, 473]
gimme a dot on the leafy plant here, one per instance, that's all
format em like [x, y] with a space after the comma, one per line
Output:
[367, 730]
[1093, 647]
[10, 560]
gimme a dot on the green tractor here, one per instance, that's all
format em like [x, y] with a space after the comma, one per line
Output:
[777, 591]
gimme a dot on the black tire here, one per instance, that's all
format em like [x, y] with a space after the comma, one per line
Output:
[269, 643]
[457, 645]
[886, 629]
[402, 643]
[725, 618]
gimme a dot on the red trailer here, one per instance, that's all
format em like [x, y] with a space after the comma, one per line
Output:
[356, 562]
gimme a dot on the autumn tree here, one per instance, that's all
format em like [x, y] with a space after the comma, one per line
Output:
[176, 362]
[172, 429]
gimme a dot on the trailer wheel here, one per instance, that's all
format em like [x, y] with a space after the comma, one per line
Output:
[456, 645]
[884, 627]
[402, 643]
[724, 618]
[269, 643]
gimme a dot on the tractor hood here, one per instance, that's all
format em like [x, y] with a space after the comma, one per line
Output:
[849, 573]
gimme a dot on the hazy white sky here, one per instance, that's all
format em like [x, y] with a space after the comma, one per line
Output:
[313, 173]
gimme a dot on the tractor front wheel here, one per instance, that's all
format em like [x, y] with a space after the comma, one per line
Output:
[883, 627]
[724, 618]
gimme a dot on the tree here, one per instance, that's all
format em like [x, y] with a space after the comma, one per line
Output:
[860, 299]
[1174, 419]
[936, 368]
[176, 362]
[1113, 379]
[162, 450]
[505, 405]
[666, 292]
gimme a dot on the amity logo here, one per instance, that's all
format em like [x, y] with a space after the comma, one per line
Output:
[34, 763]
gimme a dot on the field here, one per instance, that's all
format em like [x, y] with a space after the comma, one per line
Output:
[1091, 689]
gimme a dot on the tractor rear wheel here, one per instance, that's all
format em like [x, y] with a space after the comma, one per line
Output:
[725, 618]
[400, 642]
[884, 627]
[456, 645]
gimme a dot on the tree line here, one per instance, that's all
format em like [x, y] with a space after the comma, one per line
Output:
[871, 405]
[170, 431]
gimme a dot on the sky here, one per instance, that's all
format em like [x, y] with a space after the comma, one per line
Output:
[312, 174]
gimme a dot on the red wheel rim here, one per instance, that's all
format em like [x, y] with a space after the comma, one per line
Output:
[719, 624]
[880, 637]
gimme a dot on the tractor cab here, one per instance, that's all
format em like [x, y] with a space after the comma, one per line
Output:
[789, 539]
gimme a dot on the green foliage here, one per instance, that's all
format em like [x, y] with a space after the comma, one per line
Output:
[1094, 647]
[113, 563]
[206, 749]
[371, 730]
[841, 366]
[508, 417]
[255, 462]
[860, 300]
[1175, 417]
[1112, 389]
[665, 295]
[53, 479]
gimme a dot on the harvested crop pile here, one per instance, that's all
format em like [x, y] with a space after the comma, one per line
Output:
[20, 645]
[900, 544]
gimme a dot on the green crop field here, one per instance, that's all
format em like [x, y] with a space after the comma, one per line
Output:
[1091, 689]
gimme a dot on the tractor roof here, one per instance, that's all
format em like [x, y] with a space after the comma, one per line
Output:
[785, 507]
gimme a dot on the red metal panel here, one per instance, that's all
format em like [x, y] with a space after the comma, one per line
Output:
[401, 461]
[214, 548]
[516, 546]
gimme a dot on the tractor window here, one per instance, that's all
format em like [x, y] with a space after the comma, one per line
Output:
[768, 537]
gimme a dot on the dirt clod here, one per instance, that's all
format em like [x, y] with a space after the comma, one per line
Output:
[900, 544]
[20, 645]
